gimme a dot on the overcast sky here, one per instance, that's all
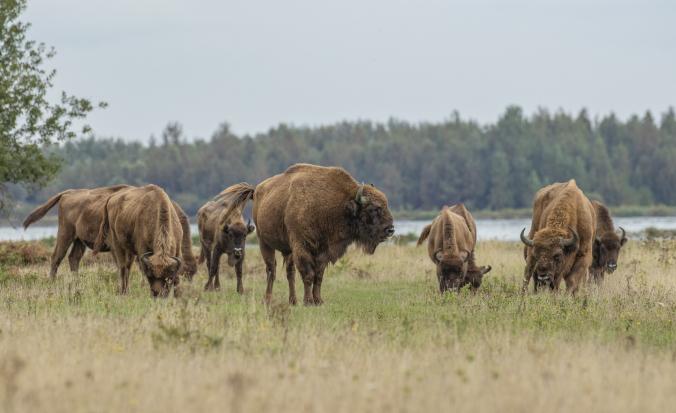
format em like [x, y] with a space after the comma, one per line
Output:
[255, 63]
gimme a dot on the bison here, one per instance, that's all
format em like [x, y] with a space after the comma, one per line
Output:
[559, 245]
[311, 214]
[607, 244]
[80, 212]
[452, 238]
[142, 222]
[223, 231]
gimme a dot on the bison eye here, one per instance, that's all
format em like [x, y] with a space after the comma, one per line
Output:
[557, 257]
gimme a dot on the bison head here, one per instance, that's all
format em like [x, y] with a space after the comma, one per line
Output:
[607, 249]
[454, 272]
[553, 250]
[476, 275]
[161, 272]
[371, 218]
[233, 239]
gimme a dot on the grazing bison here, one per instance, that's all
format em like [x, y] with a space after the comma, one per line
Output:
[607, 243]
[452, 238]
[559, 245]
[311, 214]
[80, 212]
[142, 222]
[222, 230]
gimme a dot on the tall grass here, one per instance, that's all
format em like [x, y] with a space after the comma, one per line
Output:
[385, 340]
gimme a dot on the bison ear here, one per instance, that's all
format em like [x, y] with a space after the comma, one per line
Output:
[439, 255]
[352, 208]
[226, 230]
[250, 228]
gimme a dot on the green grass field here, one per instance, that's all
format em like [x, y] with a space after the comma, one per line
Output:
[384, 340]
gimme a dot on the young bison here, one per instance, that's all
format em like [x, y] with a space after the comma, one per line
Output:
[452, 238]
[223, 231]
[607, 244]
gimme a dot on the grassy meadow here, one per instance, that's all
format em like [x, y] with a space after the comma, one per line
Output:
[384, 340]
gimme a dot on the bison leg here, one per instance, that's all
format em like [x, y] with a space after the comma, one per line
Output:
[75, 255]
[238, 272]
[291, 278]
[213, 283]
[268, 254]
[317, 287]
[307, 273]
[577, 274]
[527, 274]
[64, 237]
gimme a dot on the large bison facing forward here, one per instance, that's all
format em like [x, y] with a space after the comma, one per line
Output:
[80, 213]
[452, 238]
[311, 214]
[559, 245]
[607, 243]
[223, 231]
[142, 222]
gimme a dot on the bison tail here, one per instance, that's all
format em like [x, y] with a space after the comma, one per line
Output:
[42, 210]
[238, 195]
[424, 234]
[103, 231]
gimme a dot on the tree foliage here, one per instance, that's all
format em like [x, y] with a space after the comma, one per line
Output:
[29, 120]
[419, 166]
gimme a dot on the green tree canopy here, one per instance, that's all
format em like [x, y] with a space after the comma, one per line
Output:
[29, 119]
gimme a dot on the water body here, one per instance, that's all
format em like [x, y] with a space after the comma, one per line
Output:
[488, 229]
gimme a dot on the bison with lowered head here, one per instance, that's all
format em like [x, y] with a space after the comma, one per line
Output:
[80, 212]
[311, 214]
[607, 244]
[559, 245]
[223, 231]
[142, 222]
[452, 238]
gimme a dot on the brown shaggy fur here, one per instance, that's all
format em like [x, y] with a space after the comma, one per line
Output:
[142, 222]
[79, 222]
[559, 211]
[223, 231]
[607, 244]
[80, 212]
[452, 238]
[311, 214]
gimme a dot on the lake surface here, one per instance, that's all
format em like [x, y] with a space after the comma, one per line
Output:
[488, 229]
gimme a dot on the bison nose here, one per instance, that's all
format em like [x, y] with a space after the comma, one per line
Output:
[612, 266]
[389, 231]
[237, 252]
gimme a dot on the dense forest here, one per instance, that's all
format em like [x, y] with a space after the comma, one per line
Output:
[419, 166]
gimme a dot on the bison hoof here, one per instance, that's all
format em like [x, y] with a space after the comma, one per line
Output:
[293, 300]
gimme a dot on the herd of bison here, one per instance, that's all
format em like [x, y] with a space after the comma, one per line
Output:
[311, 214]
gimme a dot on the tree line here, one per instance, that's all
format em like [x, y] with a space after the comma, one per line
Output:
[420, 166]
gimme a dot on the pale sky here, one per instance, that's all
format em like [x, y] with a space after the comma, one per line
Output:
[255, 64]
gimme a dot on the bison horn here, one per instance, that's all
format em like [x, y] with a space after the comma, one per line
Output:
[145, 256]
[466, 256]
[178, 261]
[570, 241]
[624, 233]
[525, 239]
[360, 198]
